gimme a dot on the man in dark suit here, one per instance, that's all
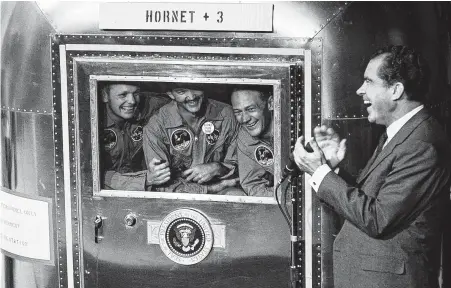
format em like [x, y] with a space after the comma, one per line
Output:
[394, 212]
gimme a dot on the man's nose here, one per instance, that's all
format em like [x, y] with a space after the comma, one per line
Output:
[131, 98]
[189, 95]
[246, 117]
[361, 90]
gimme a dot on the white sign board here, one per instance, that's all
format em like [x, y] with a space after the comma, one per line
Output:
[25, 226]
[187, 16]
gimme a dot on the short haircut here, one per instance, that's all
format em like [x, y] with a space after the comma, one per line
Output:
[104, 86]
[405, 65]
[265, 91]
[186, 85]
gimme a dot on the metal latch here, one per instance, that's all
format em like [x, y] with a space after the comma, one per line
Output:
[98, 231]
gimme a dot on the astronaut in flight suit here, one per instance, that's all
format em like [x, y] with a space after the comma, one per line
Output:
[125, 110]
[253, 109]
[190, 143]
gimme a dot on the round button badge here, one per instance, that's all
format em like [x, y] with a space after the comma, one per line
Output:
[208, 128]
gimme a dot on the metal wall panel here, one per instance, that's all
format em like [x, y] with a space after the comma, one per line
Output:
[291, 19]
[364, 27]
[26, 69]
[27, 140]
[246, 223]
[27, 122]
[28, 167]
[349, 40]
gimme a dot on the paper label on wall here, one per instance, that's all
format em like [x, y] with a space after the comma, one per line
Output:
[25, 226]
[187, 16]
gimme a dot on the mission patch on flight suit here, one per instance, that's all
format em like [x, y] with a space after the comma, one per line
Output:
[212, 137]
[109, 139]
[137, 133]
[264, 155]
[180, 139]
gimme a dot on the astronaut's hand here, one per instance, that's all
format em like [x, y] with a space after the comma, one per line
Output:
[221, 185]
[329, 142]
[204, 172]
[269, 178]
[158, 172]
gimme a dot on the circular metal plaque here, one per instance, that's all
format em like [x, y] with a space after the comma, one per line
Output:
[185, 236]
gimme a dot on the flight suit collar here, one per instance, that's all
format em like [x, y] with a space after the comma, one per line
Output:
[251, 140]
[108, 120]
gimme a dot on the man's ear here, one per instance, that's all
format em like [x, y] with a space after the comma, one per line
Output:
[397, 91]
[105, 95]
[270, 103]
[169, 93]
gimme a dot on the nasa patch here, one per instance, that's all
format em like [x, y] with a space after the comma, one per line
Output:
[109, 139]
[212, 137]
[180, 139]
[185, 236]
[264, 156]
[137, 133]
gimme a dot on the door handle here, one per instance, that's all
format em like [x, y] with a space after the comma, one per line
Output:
[98, 231]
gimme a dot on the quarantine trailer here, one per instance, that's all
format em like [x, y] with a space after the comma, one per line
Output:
[61, 226]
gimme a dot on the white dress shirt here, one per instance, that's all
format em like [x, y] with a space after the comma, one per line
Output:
[321, 172]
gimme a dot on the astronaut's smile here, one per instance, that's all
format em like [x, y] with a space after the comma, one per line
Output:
[252, 125]
[128, 109]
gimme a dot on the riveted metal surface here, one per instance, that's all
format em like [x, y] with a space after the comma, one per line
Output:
[349, 40]
[296, 113]
[27, 135]
[316, 46]
[362, 29]
[348, 35]
[299, 121]
[74, 169]
[59, 168]
[80, 63]
[291, 19]
[27, 167]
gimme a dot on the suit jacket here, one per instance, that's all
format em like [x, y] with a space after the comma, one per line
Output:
[394, 211]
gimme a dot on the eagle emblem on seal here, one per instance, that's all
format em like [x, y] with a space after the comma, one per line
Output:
[185, 237]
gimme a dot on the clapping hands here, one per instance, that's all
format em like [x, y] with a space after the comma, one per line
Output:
[327, 148]
[329, 142]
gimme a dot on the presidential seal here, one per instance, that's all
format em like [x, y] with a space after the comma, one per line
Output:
[109, 139]
[185, 236]
[180, 139]
[264, 156]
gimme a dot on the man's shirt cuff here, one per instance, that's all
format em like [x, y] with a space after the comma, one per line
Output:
[318, 176]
